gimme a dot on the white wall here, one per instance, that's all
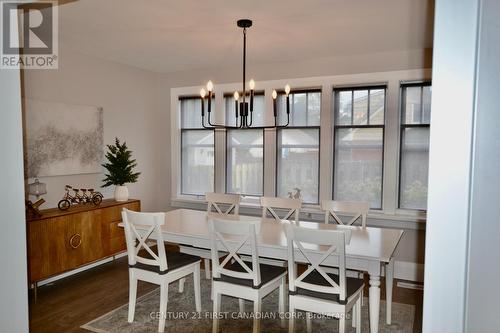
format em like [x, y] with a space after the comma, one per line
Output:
[483, 291]
[129, 100]
[13, 264]
[462, 266]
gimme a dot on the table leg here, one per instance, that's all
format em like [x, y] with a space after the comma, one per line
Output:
[389, 280]
[374, 300]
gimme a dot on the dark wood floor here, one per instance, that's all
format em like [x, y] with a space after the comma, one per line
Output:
[73, 301]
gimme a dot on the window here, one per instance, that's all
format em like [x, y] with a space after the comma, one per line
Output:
[245, 151]
[197, 149]
[414, 148]
[298, 146]
[359, 144]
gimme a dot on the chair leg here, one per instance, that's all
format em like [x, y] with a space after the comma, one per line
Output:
[358, 316]
[342, 324]
[291, 318]
[181, 284]
[197, 292]
[215, 321]
[241, 303]
[132, 296]
[163, 305]
[207, 268]
[282, 301]
[257, 309]
[353, 315]
[308, 322]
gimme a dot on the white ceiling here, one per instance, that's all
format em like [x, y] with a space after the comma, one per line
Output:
[168, 35]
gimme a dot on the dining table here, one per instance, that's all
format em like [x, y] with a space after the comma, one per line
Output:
[370, 249]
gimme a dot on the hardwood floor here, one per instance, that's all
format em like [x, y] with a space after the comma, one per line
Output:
[69, 303]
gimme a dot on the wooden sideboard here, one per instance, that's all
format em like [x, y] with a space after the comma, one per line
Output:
[60, 241]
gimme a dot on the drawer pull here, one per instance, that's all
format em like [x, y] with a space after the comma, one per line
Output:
[75, 241]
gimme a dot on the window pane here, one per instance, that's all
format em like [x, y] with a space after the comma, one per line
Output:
[345, 108]
[245, 162]
[426, 98]
[414, 168]
[358, 165]
[298, 158]
[197, 167]
[313, 108]
[377, 106]
[191, 112]
[412, 105]
[305, 109]
[258, 110]
[360, 107]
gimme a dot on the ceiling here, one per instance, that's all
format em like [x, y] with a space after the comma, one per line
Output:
[168, 36]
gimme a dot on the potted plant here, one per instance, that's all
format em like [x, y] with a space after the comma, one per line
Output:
[120, 169]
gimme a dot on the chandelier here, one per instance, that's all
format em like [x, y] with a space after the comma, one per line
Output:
[243, 109]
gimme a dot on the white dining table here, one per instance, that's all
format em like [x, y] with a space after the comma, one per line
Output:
[369, 248]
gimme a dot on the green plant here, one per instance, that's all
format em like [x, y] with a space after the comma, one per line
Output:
[120, 165]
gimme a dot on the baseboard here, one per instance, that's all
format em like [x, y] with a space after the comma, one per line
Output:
[409, 271]
[81, 269]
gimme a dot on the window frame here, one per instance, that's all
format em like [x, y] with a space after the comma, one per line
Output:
[402, 126]
[318, 127]
[336, 105]
[182, 131]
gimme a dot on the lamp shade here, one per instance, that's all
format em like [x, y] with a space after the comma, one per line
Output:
[37, 188]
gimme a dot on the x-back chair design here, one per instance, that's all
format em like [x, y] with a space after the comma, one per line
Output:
[269, 204]
[160, 268]
[316, 290]
[357, 209]
[246, 280]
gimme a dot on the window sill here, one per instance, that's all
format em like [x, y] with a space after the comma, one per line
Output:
[401, 219]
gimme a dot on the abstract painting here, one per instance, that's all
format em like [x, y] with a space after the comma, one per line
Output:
[62, 139]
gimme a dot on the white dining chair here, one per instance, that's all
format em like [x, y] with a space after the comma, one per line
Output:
[269, 204]
[246, 280]
[358, 210]
[218, 203]
[158, 267]
[316, 291]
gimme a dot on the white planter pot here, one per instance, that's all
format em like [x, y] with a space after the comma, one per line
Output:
[121, 193]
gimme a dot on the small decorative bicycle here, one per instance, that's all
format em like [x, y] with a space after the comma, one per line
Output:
[87, 196]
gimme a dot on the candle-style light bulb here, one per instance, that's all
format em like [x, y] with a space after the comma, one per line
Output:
[236, 98]
[275, 112]
[252, 84]
[210, 86]
[287, 89]
[203, 93]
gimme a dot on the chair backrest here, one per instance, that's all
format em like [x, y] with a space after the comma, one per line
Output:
[135, 242]
[357, 209]
[293, 205]
[240, 232]
[214, 199]
[335, 240]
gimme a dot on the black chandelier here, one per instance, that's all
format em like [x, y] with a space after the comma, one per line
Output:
[243, 109]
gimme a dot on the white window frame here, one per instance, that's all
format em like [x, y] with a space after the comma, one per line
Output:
[391, 79]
